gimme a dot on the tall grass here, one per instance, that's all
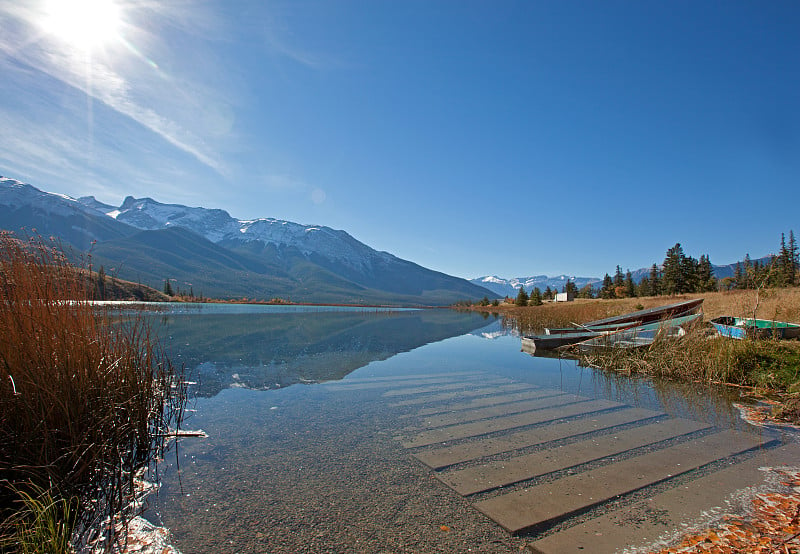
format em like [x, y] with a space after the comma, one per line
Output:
[704, 357]
[85, 402]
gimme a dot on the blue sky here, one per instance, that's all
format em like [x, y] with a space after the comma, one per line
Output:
[474, 138]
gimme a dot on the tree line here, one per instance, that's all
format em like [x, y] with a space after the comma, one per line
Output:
[681, 274]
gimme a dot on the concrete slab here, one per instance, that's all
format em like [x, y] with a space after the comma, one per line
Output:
[654, 523]
[541, 505]
[472, 393]
[489, 401]
[449, 455]
[506, 472]
[452, 386]
[427, 382]
[408, 377]
[498, 410]
[485, 427]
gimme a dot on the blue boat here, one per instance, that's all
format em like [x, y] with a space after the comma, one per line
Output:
[744, 327]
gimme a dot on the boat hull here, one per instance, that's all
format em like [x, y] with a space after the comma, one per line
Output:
[742, 328]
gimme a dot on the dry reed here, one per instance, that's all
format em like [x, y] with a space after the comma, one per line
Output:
[85, 402]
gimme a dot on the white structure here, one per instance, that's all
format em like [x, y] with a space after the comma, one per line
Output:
[565, 297]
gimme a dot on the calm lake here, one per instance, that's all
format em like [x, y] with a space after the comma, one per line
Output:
[360, 430]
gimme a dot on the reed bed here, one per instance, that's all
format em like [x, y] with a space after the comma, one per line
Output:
[86, 401]
[702, 356]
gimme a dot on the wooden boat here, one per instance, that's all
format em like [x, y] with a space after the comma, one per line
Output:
[742, 327]
[583, 328]
[678, 309]
[641, 335]
[532, 343]
[559, 337]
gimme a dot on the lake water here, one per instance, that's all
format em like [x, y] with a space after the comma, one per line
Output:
[322, 422]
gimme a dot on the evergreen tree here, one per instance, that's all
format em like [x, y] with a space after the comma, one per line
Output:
[705, 275]
[630, 290]
[522, 297]
[644, 287]
[747, 273]
[536, 297]
[794, 258]
[607, 289]
[689, 272]
[655, 281]
[571, 288]
[619, 278]
[548, 294]
[167, 288]
[673, 281]
[784, 263]
[738, 278]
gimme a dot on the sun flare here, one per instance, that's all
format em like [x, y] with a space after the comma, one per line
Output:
[85, 24]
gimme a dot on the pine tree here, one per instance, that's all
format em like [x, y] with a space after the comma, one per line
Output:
[630, 290]
[705, 275]
[738, 277]
[536, 297]
[673, 281]
[794, 258]
[522, 297]
[747, 273]
[784, 264]
[167, 288]
[655, 281]
[644, 287]
[619, 278]
[570, 288]
[548, 294]
[689, 272]
[607, 289]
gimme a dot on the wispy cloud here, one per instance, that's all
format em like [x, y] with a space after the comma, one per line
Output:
[142, 92]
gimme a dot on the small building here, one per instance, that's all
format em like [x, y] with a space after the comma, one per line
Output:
[565, 297]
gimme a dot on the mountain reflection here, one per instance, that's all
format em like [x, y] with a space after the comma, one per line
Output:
[267, 351]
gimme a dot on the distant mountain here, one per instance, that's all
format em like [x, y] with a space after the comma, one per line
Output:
[510, 287]
[217, 255]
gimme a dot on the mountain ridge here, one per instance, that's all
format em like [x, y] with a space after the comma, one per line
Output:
[222, 256]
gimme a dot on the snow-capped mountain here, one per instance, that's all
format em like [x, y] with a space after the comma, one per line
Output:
[147, 240]
[510, 287]
[219, 227]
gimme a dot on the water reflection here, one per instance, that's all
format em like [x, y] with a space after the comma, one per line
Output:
[268, 350]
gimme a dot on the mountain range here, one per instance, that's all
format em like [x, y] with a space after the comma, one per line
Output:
[210, 253]
[510, 287]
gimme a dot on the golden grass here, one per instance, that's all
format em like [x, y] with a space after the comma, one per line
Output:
[781, 304]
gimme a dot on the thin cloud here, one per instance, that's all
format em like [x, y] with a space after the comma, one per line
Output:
[99, 81]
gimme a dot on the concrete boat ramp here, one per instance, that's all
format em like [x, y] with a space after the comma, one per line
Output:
[577, 474]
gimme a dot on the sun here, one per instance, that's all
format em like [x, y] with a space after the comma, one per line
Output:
[84, 24]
